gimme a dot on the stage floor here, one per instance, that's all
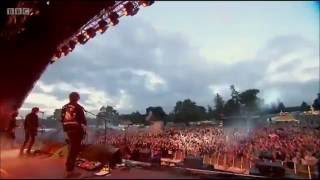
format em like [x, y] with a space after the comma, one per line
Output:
[42, 167]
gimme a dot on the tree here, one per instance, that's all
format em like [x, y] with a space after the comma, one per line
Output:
[188, 110]
[250, 100]
[304, 107]
[211, 113]
[232, 106]
[57, 114]
[136, 118]
[316, 103]
[273, 108]
[219, 105]
[158, 113]
[281, 107]
[107, 113]
[170, 117]
[235, 95]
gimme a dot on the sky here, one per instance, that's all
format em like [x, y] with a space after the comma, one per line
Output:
[172, 51]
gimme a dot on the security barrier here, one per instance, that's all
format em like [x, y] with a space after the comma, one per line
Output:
[241, 164]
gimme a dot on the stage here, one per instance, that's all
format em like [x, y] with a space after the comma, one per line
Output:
[44, 167]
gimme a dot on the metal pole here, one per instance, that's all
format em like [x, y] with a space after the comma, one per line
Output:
[309, 172]
[105, 131]
[233, 161]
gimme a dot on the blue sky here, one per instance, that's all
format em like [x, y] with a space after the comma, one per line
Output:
[176, 50]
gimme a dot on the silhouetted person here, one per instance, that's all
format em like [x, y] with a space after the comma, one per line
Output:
[74, 125]
[31, 125]
[11, 128]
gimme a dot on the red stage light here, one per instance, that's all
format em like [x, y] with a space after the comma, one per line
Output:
[91, 32]
[102, 26]
[72, 44]
[146, 3]
[58, 54]
[82, 39]
[113, 17]
[65, 50]
[129, 9]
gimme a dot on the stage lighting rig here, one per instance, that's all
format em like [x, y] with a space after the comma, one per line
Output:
[102, 26]
[146, 3]
[72, 44]
[130, 9]
[110, 4]
[113, 18]
[108, 16]
[91, 32]
[56, 56]
[65, 50]
[82, 39]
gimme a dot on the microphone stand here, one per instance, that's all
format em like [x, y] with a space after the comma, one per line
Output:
[105, 124]
[41, 124]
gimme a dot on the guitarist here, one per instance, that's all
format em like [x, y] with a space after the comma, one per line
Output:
[74, 125]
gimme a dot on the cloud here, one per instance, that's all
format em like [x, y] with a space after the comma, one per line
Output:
[153, 82]
[134, 66]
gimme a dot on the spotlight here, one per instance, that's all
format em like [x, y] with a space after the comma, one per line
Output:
[113, 17]
[91, 32]
[72, 44]
[65, 49]
[146, 3]
[102, 26]
[129, 9]
[82, 39]
[56, 56]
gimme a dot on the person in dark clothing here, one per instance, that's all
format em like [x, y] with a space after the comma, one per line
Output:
[11, 128]
[31, 125]
[74, 125]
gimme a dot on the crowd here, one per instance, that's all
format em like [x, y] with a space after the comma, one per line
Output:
[287, 143]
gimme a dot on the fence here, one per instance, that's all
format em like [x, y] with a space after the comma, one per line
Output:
[240, 164]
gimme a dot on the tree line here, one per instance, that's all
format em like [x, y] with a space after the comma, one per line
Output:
[246, 102]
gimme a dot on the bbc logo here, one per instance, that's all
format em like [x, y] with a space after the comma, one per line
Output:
[18, 11]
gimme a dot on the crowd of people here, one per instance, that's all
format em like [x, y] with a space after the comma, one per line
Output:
[286, 143]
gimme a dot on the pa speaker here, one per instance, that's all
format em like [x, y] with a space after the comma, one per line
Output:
[193, 162]
[102, 153]
[274, 169]
[145, 155]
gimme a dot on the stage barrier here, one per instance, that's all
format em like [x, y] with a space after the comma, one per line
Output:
[241, 164]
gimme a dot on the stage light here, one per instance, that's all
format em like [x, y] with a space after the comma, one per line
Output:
[65, 50]
[72, 44]
[146, 3]
[56, 56]
[91, 32]
[113, 17]
[102, 26]
[82, 39]
[129, 9]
